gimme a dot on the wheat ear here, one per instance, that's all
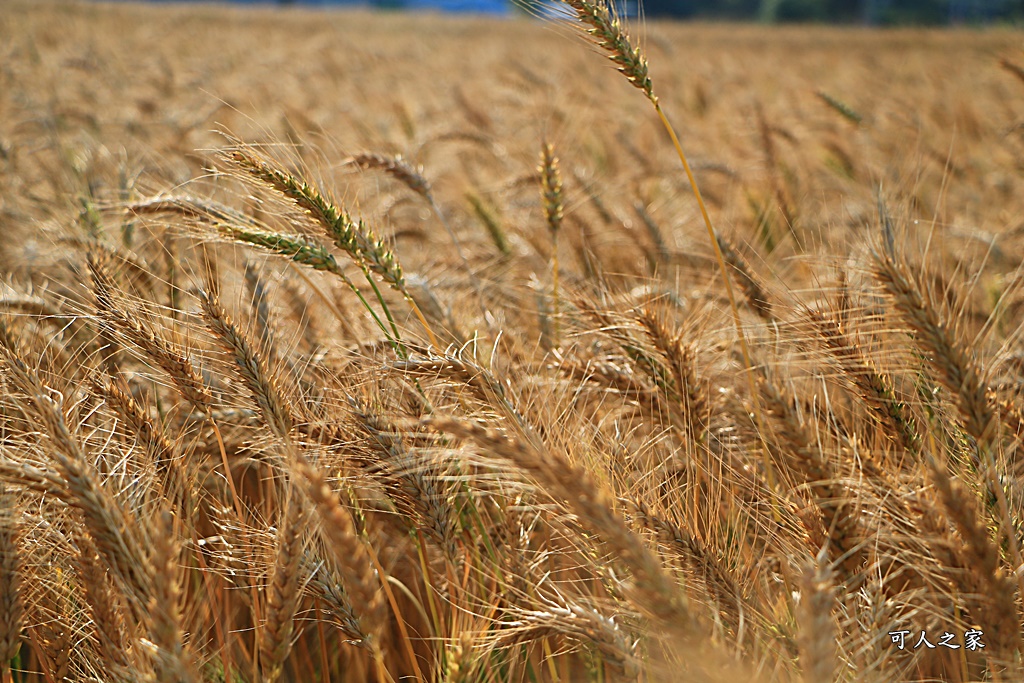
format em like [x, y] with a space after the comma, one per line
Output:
[353, 237]
[685, 387]
[417, 489]
[172, 470]
[960, 374]
[717, 577]
[754, 290]
[658, 592]
[11, 610]
[991, 588]
[240, 228]
[553, 203]
[817, 627]
[112, 528]
[873, 386]
[103, 606]
[360, 579]
[250, 366]
[413, 178]
[396, 167]
[575, 622]
[171, 661]
[178, 367]
[284, 590]
[841, 518]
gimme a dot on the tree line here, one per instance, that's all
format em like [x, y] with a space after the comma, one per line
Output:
[872, 12]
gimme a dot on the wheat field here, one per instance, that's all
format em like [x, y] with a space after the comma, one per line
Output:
[382, 347]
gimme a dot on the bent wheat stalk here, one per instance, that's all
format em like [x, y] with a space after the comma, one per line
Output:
[656, 590]
[956, 368]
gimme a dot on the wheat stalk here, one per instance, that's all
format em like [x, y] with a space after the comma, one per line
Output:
[11, 611]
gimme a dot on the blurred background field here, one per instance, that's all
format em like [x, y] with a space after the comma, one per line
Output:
[89, 88]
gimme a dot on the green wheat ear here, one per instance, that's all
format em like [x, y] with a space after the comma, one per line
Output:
[553, 203]
[607, 32]
[354, 237]
[841, 107]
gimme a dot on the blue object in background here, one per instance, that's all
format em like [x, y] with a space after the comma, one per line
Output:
[498, 7]
[471, 6]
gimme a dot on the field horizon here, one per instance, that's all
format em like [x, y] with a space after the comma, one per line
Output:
[351, 346]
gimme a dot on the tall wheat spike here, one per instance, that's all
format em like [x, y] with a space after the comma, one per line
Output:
[606, 31]
[553, 204]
